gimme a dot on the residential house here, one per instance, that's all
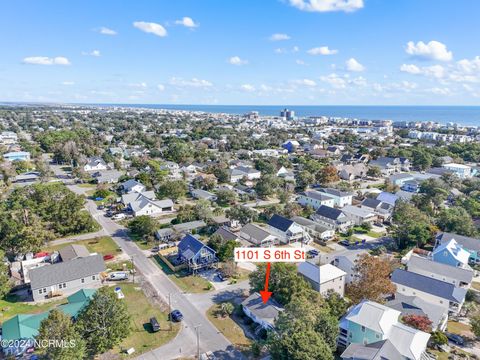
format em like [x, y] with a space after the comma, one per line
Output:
[20, 331]
[257, 236]
[203, 195]
[451, 253]
[323, 278]
[355, 158]
[145, 203]
[332, 218]
[412, 186]
[414, 305]
[315, 199]
[346, 262]
[470, 244]
[400, 179]
[17, 156]
[291, 145]
[29, 177]
[359, 215]
[73, 251]
[438, 292]
[314, 229]
[66, 277]
[382, 209]
[262, 314]
[165, 235]
[107, 176]
[389, 166]
[341, 198]
[133, 186]
[461, 170]
[371, 325]
[95, 164]
[458, 276]
[352, 172]
[225, 234]
[388, 198]
[195, 254]
[188, 227]
[8, 138]
[241, 172]
[287, 231]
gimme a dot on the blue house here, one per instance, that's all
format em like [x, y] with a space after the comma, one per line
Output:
[17, 156]
[451, 253]
[470, 244]
[290, 145]
[195, 254]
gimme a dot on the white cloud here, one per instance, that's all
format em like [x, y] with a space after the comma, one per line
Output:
[279, 37]
[335, 81]
[187, 22]
[439, 91]
[300, 62]
[161, 87]
[295, 49]
[322, 50]
[327, 5]
[139, 85]
[95, 53]
[306, 82]
[44, 60]
[354, 65]
[470, 66]
[68, 83]
[151, 28]
[106, 31]
[194, 82]
[236, 60]
[434, 50]
[410, 68]
[247, 87]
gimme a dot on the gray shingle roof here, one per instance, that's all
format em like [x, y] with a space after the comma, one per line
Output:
[428, 285]
[329, 212]
[279, 222]
[420, 263]
[66, 271]
[468, 243]
[73, 251]
[267, 312]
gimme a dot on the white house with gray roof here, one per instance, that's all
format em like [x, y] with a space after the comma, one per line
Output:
[315, 199]
[323, 278]
[66, 277]
[257, 236]
[146, 204]
[262, 314]
[340, 198]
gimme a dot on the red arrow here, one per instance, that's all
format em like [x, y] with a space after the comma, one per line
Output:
[265, 293]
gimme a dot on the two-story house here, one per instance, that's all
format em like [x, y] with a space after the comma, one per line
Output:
[195, 254]
[451, 253]
[470, 244]
[287, 230]
[315, 199]
[332, 218]
[370, 325]
[340, 198]
[323, 278]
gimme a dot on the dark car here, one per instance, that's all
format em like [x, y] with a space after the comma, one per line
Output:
[155, 324]
[221, 277]
[176, 316]
[313, 252]
[344, 243]
[457, 339]
[101, 207]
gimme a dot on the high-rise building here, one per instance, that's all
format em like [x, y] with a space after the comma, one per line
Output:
[287, 114]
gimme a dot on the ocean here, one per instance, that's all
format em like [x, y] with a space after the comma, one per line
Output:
[464, 115]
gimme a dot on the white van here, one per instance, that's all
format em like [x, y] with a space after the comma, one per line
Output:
[119, 216]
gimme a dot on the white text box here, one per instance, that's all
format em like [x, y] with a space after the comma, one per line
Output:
[271, 254]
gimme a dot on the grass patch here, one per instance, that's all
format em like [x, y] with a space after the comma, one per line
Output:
[87, 186]
[322, 248]
[186, 282]
[458, 328]
[141, 310]
[230, 329]
[142, 244]
[10, 306]
[103, 245]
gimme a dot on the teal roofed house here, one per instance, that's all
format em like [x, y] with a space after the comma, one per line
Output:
[25, 326]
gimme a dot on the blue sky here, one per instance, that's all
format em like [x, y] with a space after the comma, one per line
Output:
[312, 52]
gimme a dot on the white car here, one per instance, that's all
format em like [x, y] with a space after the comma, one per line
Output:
[119, 217]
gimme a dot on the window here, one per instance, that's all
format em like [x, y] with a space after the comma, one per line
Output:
[60, 286]
[93, 277]
[83, 280]
[363, 328]
[64, 285]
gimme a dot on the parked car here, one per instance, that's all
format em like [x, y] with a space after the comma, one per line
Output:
[456, 339]
[118, 276]
[101, 207]
[119, 216]
[344, 243]
[312, 253]
[221, 277]
[176, 316]
[155, 324]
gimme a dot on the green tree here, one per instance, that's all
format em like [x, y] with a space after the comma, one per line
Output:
[242, 214]
[58, 326]
[266, 186]
[143, 225]
[374, 172]
[475, 324]
[225, 252]
[105, 322]
[304, 179]
[173, 189]
[411, 227]
[226, 197]
[337, 304]
[5, 284]
[456, 220]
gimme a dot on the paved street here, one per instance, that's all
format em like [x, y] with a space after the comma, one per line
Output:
[185, 342]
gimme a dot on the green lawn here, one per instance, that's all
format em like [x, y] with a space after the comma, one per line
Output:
[102, 245]
[187, 283]
[230, 329]
[141, 310]
[10, 307]
[87, 185]
[142, 244]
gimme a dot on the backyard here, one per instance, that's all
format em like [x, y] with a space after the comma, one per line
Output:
[11, 306]
[186, 282]
[103, 245]
[141, 310]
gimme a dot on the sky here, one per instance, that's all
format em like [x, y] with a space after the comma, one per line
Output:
[241, 52]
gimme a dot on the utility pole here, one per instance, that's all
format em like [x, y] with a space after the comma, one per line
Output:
[133, 269]
[170, 310]
[198, 341]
